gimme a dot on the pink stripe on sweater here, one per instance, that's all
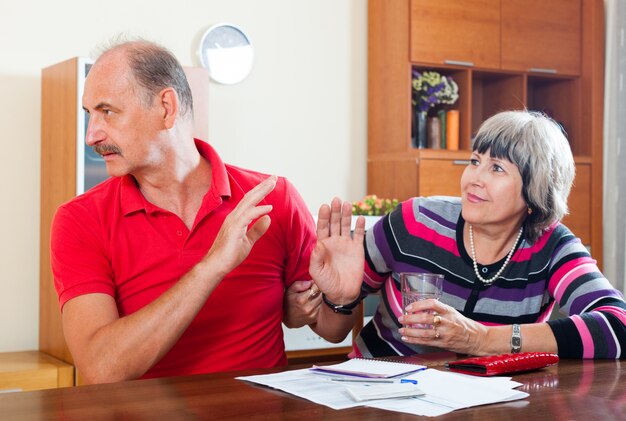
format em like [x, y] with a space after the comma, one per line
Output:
[373, 279]
[524, 254]
[588, 346]
[420, 230]
[561, 278]
[395, 299]
[615, 311]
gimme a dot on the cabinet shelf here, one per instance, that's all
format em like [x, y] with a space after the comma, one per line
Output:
[513, 55]
[483, 93]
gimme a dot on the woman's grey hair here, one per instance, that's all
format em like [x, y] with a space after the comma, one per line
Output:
[156, 68]
[537, 145]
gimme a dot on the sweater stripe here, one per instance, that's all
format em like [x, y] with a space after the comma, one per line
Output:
[587, 341]
[574, 273]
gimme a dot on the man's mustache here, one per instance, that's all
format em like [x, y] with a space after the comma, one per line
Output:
[106, 149]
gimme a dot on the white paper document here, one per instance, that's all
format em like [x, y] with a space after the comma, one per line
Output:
[444, 392]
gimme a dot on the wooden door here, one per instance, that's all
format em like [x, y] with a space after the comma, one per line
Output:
[440, 177]
[463, 32]
[542, 36]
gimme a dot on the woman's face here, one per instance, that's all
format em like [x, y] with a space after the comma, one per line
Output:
[491, 192]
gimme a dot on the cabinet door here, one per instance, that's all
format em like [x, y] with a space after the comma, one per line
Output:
[543, 36]
[440, 177]
[392, 177]
[456, 32]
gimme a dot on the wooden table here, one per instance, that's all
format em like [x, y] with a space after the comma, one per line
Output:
[573, 390]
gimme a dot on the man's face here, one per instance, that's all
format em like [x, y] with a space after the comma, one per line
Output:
[121, 128]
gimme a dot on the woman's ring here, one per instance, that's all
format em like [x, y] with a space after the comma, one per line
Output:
[313, 293]
[436, 333]
[437, 320]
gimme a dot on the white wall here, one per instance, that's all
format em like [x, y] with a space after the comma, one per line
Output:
[301, 113]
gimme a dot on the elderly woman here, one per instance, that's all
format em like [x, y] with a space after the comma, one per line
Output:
[506, 258]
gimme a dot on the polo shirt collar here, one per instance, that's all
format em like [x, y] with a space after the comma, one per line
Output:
[133, 200]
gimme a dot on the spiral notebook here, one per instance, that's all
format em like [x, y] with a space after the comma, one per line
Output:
[363, 367]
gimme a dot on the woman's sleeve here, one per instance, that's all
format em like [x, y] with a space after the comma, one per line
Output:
[595, 326]
[378, 268]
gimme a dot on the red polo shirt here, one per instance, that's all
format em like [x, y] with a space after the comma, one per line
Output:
[111, 240]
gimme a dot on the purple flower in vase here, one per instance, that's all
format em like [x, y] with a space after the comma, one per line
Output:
[431, 88]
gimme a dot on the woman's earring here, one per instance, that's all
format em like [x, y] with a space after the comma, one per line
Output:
[530, 211]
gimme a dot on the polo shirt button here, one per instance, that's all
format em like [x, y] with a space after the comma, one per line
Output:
[485, 270]
[179, 233]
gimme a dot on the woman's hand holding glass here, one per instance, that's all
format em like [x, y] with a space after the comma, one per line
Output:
[443, 327]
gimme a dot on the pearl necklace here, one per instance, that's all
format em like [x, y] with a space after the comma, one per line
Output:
[506, 261]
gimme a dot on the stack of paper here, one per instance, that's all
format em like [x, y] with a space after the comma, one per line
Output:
[444, 391]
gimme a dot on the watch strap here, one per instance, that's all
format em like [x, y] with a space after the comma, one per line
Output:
[344, 308]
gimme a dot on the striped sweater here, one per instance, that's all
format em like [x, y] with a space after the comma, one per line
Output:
[426, 235]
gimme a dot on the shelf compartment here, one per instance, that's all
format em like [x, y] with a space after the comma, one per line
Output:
[560, 99]
[495, 92]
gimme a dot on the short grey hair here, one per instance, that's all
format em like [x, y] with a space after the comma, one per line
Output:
[538, 146]
[155, 68]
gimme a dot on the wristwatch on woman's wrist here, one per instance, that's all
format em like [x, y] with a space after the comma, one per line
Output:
[516, 340]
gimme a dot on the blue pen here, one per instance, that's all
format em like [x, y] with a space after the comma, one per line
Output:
[355, 380]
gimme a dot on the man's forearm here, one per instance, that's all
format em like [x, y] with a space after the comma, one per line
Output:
[126, 348]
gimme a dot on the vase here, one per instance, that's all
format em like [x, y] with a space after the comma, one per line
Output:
[433, 131]
[419, 129]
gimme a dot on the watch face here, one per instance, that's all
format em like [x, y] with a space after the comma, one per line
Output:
[225, 50]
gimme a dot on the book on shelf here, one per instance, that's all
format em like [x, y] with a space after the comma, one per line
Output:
[442, 118]
[433, 130]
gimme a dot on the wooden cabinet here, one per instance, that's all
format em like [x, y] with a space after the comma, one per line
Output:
[542, 36]
[521, 35]
[564, 37]
[456, 31]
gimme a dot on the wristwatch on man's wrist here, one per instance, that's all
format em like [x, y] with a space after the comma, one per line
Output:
[516, 340]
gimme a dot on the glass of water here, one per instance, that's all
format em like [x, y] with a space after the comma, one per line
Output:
[420, 286]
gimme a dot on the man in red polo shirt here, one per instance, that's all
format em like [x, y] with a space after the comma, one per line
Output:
[177, 264]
